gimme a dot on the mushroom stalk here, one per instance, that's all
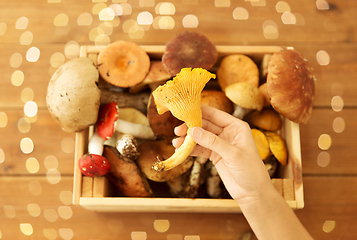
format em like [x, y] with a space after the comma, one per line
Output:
[135, 129]
[182, 97]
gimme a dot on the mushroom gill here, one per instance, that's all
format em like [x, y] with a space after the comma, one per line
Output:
[182, 97]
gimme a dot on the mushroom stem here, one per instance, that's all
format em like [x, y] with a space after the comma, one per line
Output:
[135, 129]
[96, 144]
[178, 157]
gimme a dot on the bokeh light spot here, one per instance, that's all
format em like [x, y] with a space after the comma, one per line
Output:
[322, 5]
[30, 109]
[16, 60]
[324, 142]
[66, 197]
[33, 54]
[21, 23]
[84, 19]
[145, 18]
[146, 3]
[161, 225]
[3, 119]
[165, 8]
[328, 226]
[26, 38]
[190, 21]
[26, 229]
[323, 58]
[282, 7]
[32, 165]
[3, 28]
[2, 156]
[338, 125]
[26, 145]
[17, 78]
[50, 215]
[53, 176]
[35, 188]
[164, 22]
[337, 103]
[65, 212]
[107, 28]
[270, 30]
[24, 125]
[66, 233]
[323, 159]
[240, 13]
[57, 59]
[61, 20]
[33, 209]
[67, 145]
[288, 18]
[106, 14]
[98, 7]
[50, 233]
[222, 3]
[71, 49]
[51, 162]
[138, 235]
[9, 211]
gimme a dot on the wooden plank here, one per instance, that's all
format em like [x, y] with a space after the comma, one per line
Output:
[87, 186]
[288, 189]
[100, 187]
[328, 200]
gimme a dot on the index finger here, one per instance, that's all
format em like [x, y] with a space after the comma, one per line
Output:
[218, 117]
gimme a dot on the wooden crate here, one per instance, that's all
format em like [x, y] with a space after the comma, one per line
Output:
[92, 193]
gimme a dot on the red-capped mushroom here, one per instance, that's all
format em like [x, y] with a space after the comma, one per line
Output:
[93, 165]
[108, 114]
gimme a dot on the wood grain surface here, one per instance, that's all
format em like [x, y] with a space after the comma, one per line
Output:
[36, 156]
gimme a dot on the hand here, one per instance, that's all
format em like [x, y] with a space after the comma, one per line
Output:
[229, 144]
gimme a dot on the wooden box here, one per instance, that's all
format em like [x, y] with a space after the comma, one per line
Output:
[92, 193]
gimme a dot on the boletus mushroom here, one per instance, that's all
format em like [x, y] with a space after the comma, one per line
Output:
[123, 64]
[182, 97]
[189, 49]
[73, 97]
[266, 119]
[291, 85]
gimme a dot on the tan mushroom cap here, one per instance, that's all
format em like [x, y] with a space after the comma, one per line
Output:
[73, 97]
[217, 99]
[149, 151]
[266, 119]
[236, 68]
[291, 85]
[261, 143]
[123, 64]
[245, 95]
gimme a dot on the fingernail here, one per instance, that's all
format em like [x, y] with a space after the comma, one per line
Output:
[196, 132]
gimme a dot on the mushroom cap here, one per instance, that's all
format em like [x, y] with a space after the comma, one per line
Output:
[133, 115]
[93, 165]
[73, 97]
[291, 85]
[108, 114]
[123, 64]
[261, 142]
[149, 151]
[266, 119]
[217, 99]
[189, 50]
[182, 95]
[277, 146]
[237, 68]
[245, 95]
[156, 76]
[162, 124]
[264, 91]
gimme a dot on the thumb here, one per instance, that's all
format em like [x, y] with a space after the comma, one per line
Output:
[209, 140]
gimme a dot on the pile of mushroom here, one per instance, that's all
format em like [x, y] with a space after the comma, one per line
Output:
[135, 102]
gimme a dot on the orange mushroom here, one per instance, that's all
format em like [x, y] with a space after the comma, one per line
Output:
[262, 143]
[123, 64]
[182, 97]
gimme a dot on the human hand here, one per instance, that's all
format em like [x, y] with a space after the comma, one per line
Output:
[229, 144]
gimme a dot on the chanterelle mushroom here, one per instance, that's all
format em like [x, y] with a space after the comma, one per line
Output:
[182, 97]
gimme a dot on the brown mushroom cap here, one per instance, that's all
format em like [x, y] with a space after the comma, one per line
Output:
[217, 99]
[291, 85]
[123, 64]
[162, 124]
[245, 95]
[189, 50]
[149, 151]
[266, 119]
[237, 68]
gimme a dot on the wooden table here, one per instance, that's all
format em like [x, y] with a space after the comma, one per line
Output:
[36, 156]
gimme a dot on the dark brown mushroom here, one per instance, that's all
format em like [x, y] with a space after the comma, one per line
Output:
[189, 50]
